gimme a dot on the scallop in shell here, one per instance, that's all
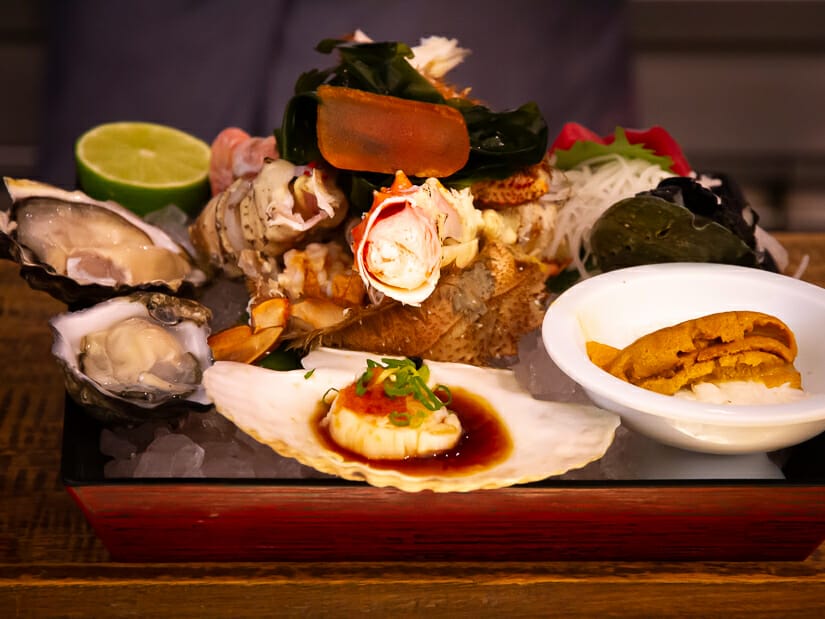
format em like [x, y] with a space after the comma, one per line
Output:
[284, 410]
[82, 250]
[134, 358]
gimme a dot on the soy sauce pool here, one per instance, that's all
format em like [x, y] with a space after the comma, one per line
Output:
[484, 442]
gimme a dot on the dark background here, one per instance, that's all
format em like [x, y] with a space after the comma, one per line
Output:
[740, 84]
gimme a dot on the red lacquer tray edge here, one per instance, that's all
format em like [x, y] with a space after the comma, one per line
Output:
[335, 520]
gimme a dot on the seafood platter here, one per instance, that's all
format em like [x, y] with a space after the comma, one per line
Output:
[361, 301]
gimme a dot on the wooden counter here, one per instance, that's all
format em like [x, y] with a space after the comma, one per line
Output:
[51, 563]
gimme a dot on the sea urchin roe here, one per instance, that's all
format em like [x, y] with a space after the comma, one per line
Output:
[721, 347]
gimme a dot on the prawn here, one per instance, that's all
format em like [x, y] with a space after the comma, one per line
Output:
[236, 154]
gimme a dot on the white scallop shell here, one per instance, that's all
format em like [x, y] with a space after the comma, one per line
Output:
[278, 408]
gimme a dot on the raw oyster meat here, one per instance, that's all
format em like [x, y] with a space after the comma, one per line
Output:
[135, 357]
[83, 251]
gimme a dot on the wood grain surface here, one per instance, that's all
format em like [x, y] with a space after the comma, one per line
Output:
[52, 564]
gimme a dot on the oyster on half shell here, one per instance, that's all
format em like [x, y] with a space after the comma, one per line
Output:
[281, 409]
[134, 358]
[82, 250]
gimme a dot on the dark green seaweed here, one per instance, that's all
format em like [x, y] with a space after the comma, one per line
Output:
[647, 229]
[501, 143]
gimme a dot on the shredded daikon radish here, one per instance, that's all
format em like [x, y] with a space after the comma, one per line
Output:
[595, 185]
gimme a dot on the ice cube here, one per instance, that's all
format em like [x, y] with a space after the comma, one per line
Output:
[537, 373]
[140, 436]
[227, 299]
[205, 427]
[116, 446]
[120, 468]
[172, 220]
[224, 459]
[268, 464]
[248, 441]
[171, 455]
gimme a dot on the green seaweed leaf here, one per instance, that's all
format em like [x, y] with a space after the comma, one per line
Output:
[647, 230]
[501, 143]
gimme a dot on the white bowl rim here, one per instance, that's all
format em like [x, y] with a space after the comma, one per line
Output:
[561, 345]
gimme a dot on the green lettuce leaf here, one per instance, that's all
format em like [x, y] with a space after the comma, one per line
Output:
[584, 150]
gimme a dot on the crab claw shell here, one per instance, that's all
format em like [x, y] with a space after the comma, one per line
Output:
[251, 342]
[280, 409]
[524, 186]
[398, 251]
[243, 344]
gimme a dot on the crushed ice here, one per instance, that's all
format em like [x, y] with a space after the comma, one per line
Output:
[203, 445]
[207, 445]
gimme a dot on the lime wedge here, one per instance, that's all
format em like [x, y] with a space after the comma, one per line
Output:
[143, 166]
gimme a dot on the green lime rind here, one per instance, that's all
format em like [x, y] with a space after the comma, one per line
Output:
[143, 166]
[139, 199]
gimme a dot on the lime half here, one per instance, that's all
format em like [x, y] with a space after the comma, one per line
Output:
[144, 166]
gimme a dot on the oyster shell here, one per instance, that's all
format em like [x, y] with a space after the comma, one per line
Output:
[135, 357]
[280, 409]
[83, 251]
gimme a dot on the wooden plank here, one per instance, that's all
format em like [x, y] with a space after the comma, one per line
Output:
[254, 522]
[415, 589]
[39, 520]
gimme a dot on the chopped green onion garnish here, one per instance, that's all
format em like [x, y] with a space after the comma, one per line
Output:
[400, 418]
[405, 418]
[407, 378]
[448, 394]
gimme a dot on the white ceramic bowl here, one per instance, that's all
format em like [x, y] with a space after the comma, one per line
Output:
[618, 307]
